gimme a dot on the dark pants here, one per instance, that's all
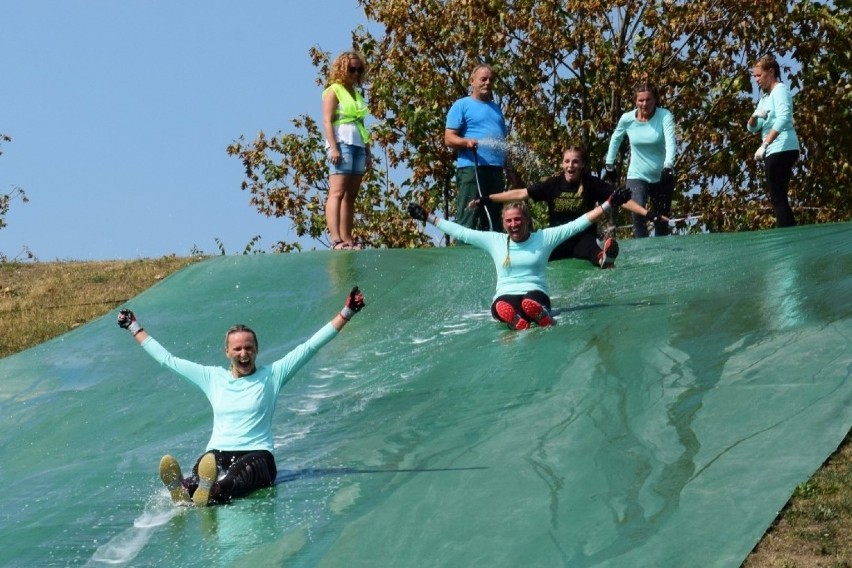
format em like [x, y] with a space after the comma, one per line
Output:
[490, 180]
[584, 245]
[779, 170]
[244, 472]
[515, 301]
[660, 194]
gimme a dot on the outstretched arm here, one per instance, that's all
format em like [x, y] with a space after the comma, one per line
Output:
[354, 304]
[127, 320]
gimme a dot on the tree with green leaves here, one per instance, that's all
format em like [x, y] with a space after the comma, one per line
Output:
[566, 69]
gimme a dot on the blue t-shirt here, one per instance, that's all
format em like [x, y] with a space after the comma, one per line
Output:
[482, 121]
[527, 260]
[779, 103]
[242, 408]
[652, 144]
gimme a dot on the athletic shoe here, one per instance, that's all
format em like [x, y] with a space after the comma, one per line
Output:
[606, 258]
[509, 317]
[173, 479]
[208, 473]
[537, 312]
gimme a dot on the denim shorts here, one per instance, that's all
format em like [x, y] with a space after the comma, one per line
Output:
[353, 161]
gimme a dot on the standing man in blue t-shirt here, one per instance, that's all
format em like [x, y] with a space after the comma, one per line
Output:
[476, 130]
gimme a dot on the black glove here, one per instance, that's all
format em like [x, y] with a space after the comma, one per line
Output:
[354, 304]
[417, 212]
[127, 320]
[609, 175]
[481, 201]
[667, 176]
[652, 218]
[619, 197]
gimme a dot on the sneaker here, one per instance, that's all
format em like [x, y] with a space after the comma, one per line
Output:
[509, 317]
[537, 312]
[208, 473]
[173, 479]
[606, 258]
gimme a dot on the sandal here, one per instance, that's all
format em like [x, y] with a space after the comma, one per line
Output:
[352, 246]
[338, 245]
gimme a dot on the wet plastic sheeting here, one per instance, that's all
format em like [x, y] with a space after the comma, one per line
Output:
[663, 422]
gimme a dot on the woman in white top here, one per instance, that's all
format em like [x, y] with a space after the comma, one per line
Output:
[348, 144]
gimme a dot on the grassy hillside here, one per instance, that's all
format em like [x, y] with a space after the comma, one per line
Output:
[39, 301]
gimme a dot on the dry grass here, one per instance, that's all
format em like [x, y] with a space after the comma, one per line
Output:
[39, 301]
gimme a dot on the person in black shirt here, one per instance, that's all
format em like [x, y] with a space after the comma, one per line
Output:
[568, 197]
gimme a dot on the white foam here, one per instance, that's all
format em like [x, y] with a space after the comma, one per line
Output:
[124, 547]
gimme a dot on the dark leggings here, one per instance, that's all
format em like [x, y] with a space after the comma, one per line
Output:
[244, 472]
[515, 301]
[584, 245]
[779, 170]
[660, 194]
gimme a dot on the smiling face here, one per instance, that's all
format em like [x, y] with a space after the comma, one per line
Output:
[241, 349]
[516, 223]
[572, 165]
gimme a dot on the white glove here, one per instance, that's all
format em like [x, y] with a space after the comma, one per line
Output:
[760, 113]
[761, 152]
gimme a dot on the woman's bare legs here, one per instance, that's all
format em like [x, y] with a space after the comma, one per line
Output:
[336, 191]
[347, 206]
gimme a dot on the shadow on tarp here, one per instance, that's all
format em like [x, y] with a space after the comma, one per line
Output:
[292, 475]
[664, 421]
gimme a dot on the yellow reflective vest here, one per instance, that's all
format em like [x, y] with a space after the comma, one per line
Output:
[350, 109]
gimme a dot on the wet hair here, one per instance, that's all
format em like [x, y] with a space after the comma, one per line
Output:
[645, 87]
[339, 69]
[237, 329]
[768, 62]
[525, 212]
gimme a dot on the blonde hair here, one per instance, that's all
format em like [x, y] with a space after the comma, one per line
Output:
[339, 69]
[525, 212]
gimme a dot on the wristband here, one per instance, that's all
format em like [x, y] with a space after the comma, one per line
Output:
[134, 328]
[347, 313]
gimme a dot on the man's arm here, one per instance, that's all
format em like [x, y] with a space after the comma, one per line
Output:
[456, 142]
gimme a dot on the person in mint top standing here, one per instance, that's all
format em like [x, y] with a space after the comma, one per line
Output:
[476, 130]
[348, 143]
[650, 174]
[243, 398]
[779, 148]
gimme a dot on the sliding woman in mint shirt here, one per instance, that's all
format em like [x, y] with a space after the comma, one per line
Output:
[520, 257]
[243, 399]
[650, 174]
[779, 148]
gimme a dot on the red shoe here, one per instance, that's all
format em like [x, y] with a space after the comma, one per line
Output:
[509, 317]
[537, 312]
[606, 258]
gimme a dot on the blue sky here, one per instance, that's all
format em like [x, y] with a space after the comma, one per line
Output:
[120, 113]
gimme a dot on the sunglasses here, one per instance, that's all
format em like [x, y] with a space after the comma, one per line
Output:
[354, 70]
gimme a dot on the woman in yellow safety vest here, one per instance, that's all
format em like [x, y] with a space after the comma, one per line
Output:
[348, 144]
